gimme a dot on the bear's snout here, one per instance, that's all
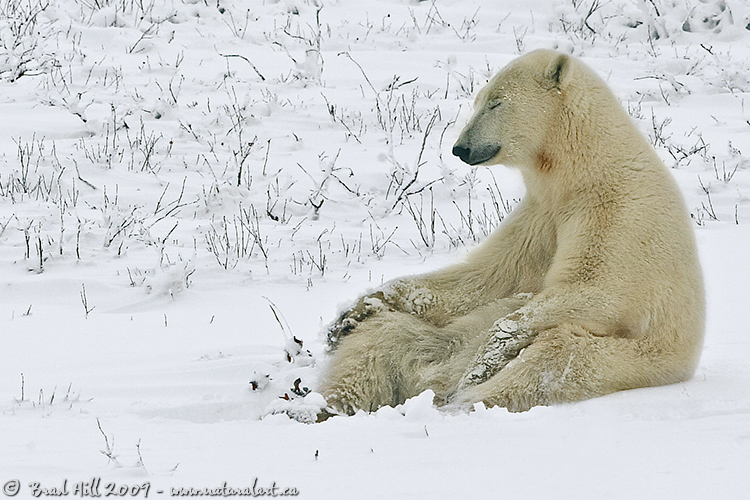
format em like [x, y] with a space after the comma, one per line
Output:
[475, 156]
[462, 152]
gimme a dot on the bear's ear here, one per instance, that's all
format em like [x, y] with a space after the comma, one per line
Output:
[557, 72]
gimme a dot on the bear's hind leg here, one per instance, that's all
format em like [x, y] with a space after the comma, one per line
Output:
[393, 356]
[567, 364]
[381, 363]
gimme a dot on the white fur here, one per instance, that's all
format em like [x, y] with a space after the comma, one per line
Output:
[594, 279]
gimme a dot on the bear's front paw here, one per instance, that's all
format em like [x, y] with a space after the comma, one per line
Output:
[505, 340]
[348, 321]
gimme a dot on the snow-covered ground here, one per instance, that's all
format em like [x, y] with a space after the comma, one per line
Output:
[186, 186]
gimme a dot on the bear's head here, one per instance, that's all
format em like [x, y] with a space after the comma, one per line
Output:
[515, 112]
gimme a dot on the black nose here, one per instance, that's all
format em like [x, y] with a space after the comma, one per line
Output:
[462, 152]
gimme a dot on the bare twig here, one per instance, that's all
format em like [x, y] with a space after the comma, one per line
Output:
[263, 78]
[85, 302]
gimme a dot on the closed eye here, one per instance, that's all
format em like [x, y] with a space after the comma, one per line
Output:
[494, 104]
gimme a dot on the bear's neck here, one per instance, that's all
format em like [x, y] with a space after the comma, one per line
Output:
[584, 158]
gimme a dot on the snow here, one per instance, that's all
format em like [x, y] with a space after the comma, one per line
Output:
[186, 189]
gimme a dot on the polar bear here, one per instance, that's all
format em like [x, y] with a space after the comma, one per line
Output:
[591, 286]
